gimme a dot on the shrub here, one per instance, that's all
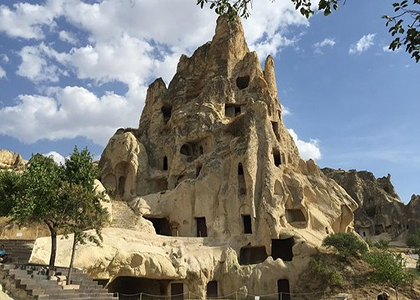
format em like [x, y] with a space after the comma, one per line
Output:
[389, 268]
[325, 271]
[346, 244]
[413, 240]
[381, 244]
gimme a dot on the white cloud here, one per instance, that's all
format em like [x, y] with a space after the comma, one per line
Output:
[38, 63]
[68, 113]
[2, 72]
[307, 150]
[26, 20]
[126, 43]
[285, 111]
[326, 42]
[67, 37]
[58, 158]
[363, 44]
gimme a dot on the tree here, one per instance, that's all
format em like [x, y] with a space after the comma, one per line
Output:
[347, 244]
[408, 35]
[413, 240]
[85, 209]
[38, 198]
[62, 196]
[389, 268]
[10, 182]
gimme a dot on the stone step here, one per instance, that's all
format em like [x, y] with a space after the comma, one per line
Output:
[35, 282]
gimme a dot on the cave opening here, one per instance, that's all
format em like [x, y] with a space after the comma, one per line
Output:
[161, 225]
[242, 82]
[282, 248]
[283, 288]
[252, 255]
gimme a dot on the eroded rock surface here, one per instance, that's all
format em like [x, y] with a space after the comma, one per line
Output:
[380, 208]
[11, 161]
[224, 202]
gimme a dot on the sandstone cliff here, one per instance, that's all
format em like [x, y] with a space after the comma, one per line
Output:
[413, 213]
[224, 202]
[380, 208]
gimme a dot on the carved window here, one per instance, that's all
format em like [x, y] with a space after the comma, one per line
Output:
[165, 163]
[242, 82]
[247, 223]
[166, 112]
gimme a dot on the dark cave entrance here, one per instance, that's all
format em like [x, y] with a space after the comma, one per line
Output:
[201, 227]
[252, 255]
[161, 226]
[177, 291]
[283, 289]
[121, 186]
[167, 112]
[212, 289]
[241, 180]
[247, 223]
[282, 248]
[242, 82]
[130, 288]
[277, 158]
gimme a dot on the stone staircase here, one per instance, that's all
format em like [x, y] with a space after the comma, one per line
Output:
[19, 251]
[26, 282]
[35, 282]
[122, 215]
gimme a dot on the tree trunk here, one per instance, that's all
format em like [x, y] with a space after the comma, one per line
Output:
[73, 250]
[53, 232]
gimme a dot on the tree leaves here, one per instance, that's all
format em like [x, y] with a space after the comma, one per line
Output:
[62, 196]
[406, 27]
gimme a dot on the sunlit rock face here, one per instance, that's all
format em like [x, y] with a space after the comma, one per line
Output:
[213, 173]
[413, 213]
[380, 208]
[11, 161]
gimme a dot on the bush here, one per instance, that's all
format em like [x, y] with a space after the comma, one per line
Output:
[346, 244]
[381, 244]
[389, 268]
[413, 240]
[325, 271]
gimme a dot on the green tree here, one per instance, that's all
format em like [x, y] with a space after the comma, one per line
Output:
[10, 187]
[62, 196]
[405, 23]
[38, 199]
[85, 209]
[413, 240]
[347, 244]
[389, 268]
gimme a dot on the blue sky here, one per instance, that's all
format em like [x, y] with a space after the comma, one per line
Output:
[73, 71]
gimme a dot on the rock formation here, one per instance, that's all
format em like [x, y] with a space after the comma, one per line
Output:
[11, 161]
[380, 208]
[224, 202]
[413, 213]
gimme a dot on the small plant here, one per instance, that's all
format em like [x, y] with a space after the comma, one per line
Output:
[346, 244]
[381, 244]
[325, 271]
